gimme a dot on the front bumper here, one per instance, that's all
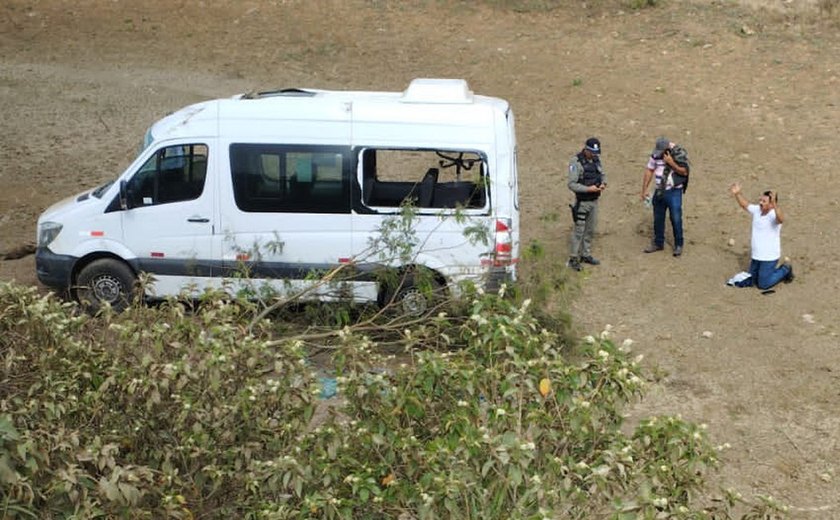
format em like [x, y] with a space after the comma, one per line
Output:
[54, 270]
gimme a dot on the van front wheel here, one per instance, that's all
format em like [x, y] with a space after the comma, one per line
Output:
[105, 281]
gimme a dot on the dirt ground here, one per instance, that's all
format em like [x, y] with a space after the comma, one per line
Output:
[752, 89]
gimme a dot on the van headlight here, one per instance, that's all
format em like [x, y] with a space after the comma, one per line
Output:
[47, 232]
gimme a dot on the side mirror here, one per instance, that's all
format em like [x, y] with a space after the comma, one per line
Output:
[124, 195]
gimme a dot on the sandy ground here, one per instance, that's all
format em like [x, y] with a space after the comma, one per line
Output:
[754, 94]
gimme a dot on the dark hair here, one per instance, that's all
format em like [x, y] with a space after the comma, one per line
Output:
[770, 192]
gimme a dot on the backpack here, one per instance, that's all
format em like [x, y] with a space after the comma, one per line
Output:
[680, 156]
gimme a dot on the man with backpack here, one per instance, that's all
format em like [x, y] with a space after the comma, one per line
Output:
[669, 166]
[586, 180]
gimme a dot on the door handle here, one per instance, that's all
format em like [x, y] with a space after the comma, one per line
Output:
[200, 220]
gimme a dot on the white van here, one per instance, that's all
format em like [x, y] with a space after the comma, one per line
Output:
[287, 185]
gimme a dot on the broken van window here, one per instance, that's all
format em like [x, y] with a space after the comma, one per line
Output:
[424, 178]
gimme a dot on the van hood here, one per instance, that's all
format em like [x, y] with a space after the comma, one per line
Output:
[61, 207]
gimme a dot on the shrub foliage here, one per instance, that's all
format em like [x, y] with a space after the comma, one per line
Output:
[163, 413]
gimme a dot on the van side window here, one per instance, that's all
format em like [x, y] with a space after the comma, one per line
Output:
[424, 178]
[290, 178]
[172, 174]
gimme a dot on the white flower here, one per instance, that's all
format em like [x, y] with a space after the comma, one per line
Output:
[500, 411]
[527, 446]
[626, 344]
[602, 471]
[660, 502]
[603, 354]
[463, 404]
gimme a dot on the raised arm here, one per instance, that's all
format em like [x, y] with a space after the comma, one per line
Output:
[735, 189]
[780, 218]
[677, 167]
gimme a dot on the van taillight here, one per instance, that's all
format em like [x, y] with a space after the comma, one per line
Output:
[503, 250]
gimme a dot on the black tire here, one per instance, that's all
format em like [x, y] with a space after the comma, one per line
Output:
[105, 280]
[412, 299]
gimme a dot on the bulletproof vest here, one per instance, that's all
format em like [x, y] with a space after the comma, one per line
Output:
[591, 177]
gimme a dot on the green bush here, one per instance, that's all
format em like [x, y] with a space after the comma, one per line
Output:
[163, 413]
[151, 411]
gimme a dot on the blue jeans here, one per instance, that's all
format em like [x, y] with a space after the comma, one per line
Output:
[765, 274]
[671, 200]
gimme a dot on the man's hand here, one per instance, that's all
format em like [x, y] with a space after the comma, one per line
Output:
[772, 198]
[735, 189]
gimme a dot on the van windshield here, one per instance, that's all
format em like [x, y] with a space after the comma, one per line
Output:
[147, 140]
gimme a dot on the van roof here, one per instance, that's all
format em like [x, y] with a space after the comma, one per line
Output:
[425, 101]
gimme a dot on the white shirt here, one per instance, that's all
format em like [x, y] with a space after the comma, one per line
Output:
[766, 234]
[658, 168]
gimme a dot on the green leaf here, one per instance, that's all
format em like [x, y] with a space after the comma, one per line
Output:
[130, 493]
[111, 491]
[486, 467]
[515, 475]
[7, 429]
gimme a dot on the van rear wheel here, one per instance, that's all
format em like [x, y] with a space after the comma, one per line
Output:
[105, 281]
[412, 298]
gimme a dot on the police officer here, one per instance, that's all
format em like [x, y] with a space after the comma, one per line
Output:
[586, 180]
